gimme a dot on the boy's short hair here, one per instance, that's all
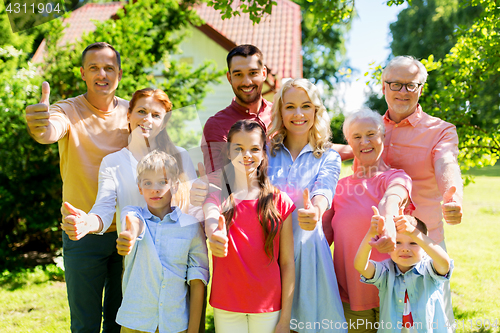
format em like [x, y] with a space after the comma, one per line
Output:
[417, 223]
[158, 161]
[244, 50]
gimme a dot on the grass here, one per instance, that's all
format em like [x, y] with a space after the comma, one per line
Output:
[34, 300]
[474, 247]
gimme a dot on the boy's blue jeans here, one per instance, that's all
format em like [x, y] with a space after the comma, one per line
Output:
[91, 265]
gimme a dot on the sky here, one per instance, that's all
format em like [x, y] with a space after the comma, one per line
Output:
[368, 40]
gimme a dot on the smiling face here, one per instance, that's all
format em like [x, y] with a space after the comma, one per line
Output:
[100, 72]
[407, 253]
[156, 190]
[366, 141]
[247, 76]
[148, 118]
[246, 151]
[297, 112]
[401, 103]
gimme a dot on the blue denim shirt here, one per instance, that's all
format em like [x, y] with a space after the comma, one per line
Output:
[316, 297]
[319, 175]
[425, 293]
[165, 258]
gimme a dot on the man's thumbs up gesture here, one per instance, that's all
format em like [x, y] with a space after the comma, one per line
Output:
[452, 210]
[126, 239]
[76, 223]
[37, 115]
[308, 216]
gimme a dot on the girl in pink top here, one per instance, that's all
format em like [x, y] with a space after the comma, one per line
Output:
[253, 263]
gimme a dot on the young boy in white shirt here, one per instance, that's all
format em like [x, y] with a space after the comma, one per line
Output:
[166, 263]
[410, 282]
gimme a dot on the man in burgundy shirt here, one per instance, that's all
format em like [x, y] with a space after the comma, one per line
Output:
[246, 74]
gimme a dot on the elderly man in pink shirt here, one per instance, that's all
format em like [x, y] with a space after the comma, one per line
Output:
[425, 147]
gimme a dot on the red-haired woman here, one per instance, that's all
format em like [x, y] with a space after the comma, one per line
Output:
[148, 114]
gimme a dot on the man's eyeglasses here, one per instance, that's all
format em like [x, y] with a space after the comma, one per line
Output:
[397, 86]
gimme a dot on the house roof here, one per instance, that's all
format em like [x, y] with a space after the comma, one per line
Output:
[80, 21]
[278, 35]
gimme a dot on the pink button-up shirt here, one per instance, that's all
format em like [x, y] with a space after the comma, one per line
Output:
[414, 145]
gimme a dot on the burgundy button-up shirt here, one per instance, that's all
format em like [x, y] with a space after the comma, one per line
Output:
[216, 130]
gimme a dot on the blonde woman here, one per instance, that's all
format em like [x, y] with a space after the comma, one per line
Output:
[302, 164]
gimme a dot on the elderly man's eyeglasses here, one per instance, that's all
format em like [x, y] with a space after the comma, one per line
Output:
[397, 86]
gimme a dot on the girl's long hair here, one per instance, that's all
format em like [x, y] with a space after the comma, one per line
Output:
[164, 143]
[269, 217]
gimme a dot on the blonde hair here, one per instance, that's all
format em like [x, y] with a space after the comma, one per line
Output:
[319, 134]
[160, 162]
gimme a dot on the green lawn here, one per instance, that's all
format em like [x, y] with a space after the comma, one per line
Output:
[474, 246]
[34, 301]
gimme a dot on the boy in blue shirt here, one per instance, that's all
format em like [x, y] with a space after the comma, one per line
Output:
[166, 263]
[410, 282]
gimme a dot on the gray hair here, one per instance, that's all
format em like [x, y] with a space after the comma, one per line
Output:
[406, 60]
[363, 114]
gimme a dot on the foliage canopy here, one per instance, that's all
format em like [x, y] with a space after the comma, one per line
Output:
[146, 33]
[459, 42]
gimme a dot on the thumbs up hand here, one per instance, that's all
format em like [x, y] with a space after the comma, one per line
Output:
[37, 115]
[76, 223]
[218, 241]
[452, 210]
[199, 190]
[377, 226]
[381, 241]
[308, 216]
[403, 225]
[126, 239]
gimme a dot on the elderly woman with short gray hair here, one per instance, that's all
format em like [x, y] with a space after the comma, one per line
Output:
[372, 184]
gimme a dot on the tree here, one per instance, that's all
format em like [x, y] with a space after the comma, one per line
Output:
[26, 193]
[336, 128]
[427, 27]
[424, 28]
[463, 85]
[147, 33]
[462, 77]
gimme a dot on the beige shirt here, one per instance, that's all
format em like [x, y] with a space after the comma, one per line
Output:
[85, 135]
